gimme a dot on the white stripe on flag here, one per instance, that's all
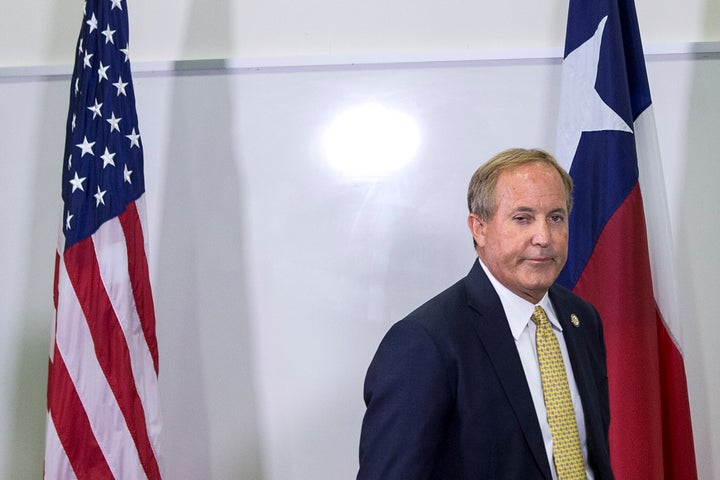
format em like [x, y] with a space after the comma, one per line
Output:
[57, 464]
[75, 344]
[111, 251]
[141, 206]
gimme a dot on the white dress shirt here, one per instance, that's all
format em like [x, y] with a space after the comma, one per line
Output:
[519, 312]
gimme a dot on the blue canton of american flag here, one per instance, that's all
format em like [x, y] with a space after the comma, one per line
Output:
[103, 153]
[102, 401]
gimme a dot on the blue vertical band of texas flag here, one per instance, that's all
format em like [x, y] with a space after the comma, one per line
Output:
[103, 162]
[605, 167]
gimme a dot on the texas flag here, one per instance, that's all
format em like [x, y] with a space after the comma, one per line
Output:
[620, 254]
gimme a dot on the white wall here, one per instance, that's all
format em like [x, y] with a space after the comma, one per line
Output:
[42, 32]
[275, 276]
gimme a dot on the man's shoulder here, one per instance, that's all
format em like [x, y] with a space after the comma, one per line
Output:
[559, 293]
[451, 296]
[446, 311]
[567, 302]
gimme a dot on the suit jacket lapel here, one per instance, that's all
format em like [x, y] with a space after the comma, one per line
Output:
[492, 328]
[576, 342]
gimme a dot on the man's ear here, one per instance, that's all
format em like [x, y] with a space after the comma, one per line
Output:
[477, 229]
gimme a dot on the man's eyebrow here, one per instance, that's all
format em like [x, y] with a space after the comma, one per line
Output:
[523, 209]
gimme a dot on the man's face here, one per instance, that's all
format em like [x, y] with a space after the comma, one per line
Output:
[524, 244]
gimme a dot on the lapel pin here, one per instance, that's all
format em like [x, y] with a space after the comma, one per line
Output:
[574, 320]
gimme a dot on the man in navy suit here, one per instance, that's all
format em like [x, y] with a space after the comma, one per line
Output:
[454, 391]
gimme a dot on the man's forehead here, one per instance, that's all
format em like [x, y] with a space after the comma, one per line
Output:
[529, 169]
[531, 197]
[527, 209]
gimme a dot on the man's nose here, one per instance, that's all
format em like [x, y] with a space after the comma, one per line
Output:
[541, 234]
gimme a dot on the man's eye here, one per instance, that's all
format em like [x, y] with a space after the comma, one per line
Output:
[521, 218]
[557, 218]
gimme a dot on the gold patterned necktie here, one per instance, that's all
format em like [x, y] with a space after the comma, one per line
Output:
[567, 453]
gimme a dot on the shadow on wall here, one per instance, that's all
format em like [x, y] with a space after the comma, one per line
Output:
[696, 251]
[209, 421]
[27, 431]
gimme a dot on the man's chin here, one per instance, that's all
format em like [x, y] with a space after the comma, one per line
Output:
[540, 285]
[541, 273]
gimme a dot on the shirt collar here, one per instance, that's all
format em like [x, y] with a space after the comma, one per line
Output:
[518, 310]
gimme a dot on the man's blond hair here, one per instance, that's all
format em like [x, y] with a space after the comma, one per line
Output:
[481, 191]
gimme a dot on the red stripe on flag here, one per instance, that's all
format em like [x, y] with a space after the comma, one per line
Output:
[617, 280]
[110, 345]
[140, 277]
[72, 424]
[56, 277]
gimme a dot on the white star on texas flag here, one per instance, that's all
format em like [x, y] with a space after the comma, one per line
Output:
[578, 86]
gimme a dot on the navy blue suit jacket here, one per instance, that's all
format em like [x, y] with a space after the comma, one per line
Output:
[447, 397]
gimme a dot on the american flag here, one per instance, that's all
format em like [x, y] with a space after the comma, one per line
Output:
[620, 245]
[102, 398]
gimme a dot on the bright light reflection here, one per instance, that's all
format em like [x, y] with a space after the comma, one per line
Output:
[371, 141]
